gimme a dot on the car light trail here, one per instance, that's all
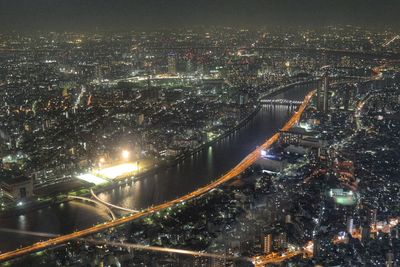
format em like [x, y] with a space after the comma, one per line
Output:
[131, 246]
[163, 249]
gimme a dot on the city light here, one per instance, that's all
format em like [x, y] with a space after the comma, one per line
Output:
[90, 178]
[102, 176]
[125, 154]
[263, 153]
[117, 171]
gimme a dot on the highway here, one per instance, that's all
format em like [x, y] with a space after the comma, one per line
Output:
[261, 261]
[239, 168]
[134, 246]
[164, 250]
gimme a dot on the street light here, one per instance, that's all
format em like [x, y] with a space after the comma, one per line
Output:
[125, 154]
[101, 161]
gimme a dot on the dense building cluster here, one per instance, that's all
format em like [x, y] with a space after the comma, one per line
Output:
[325, 193]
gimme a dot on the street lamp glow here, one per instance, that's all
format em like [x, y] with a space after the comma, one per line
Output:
[125, 154]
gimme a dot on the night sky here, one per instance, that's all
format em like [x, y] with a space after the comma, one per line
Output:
[87, 15]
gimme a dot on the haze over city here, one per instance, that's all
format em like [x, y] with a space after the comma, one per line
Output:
[90, 15]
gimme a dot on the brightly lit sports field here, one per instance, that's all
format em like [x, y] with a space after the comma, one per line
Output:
[101, 176]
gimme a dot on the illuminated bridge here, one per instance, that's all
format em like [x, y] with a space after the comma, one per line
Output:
[110, 204]
[235, 171]
[95, 202]
[280, 102]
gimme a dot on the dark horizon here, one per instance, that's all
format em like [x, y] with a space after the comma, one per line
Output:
[90, 15]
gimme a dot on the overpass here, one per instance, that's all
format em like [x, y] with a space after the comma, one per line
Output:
[130, 246]
[235, 171]
[259, 261]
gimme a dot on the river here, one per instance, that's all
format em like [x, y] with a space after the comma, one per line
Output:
[176, 181]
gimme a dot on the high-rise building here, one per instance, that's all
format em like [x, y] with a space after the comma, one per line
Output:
[243, 98]
[373, 214]
[281, 241]
[323, 93]
[317, 247]
[365, 233]
[350, 225]
[318, 96]
[267, 243]
[172, 63]
[325, 89]
[288, 218]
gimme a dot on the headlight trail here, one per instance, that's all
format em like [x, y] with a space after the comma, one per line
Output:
[131, 246]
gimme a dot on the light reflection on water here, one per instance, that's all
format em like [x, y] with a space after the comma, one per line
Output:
[192, 173]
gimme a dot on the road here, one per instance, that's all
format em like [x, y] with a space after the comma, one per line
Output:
[235, 171]
[261, 261]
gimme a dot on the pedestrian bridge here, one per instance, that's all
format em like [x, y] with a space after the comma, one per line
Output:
[95, 202]
[110, 204]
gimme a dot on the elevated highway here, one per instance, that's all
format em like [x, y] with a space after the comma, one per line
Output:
[239, 168]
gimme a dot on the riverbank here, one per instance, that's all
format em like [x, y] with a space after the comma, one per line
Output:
[233, 172]
[85, 191]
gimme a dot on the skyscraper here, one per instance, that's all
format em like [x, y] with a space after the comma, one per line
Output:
[267, 243]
